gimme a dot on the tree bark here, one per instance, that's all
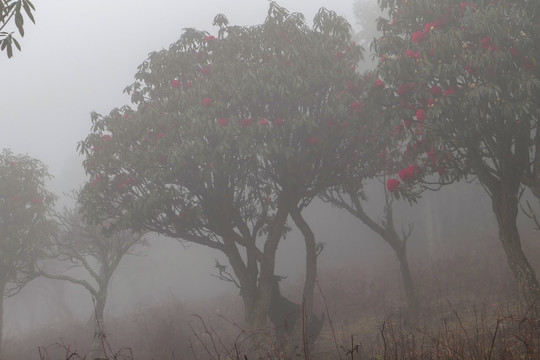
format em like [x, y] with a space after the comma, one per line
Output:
[98, 348]
[2, 288]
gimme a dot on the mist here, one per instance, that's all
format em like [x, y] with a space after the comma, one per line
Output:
[79, 57]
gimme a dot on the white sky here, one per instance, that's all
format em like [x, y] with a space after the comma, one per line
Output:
[81, 54]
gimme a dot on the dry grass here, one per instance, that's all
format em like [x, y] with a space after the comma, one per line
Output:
[470, 310]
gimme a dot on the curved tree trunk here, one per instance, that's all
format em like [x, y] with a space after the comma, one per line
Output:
[505, 207]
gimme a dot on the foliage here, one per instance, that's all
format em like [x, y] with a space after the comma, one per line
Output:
[25, 222]
[462, 83]
[13, 10]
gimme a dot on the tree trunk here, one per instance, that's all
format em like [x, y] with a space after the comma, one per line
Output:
[505, 206]
[2, 288]
[98, 348]
[408, 284]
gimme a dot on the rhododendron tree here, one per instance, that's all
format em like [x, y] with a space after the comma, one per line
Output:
[25, 222]
[86, 249]
[265, 124]
[471, 99]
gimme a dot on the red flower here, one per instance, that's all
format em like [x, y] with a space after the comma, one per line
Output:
[392, 184]
[469, 69]
[352, 86]
[278, 122]
[421, 115]
[407, 123]
[160, 135]
[188, 84]
[314, 140]
[418, 36]
[528, 64]
[356, 106]
[432, 155]
[36, 201]
[207, 102]
[15, 198]
[409, 173]
[514, 51]
[176, 84]
[222, 121]
[378, 84]
[441, 171]
[405, 88]
[430, 102]
[263, 122]
[206, 70]
[487, 42]
[436, 90]
[450, 91]
[210, 38]
[413, 55]
[97, 180]
[429, 27]
[107, 137]
[247, 121]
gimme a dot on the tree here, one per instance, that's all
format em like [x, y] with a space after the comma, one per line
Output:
[84, 246]
[230, 135]
[354, 200]
[25, 222]
[13, 10]
[462, 83]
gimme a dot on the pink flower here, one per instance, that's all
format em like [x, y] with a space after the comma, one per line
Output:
[392, 184]
[421, 115]
[430, 102]
[356, 106]
[176, 84]
[206, 70]
[378, 84]
[278, 122]
[210, 38]
[222, 121]
[486, 42]
[247, 121]
[314, 140]
[418, 36]
[107, 137]
[436, 90]
[514, 51]
[263, 122]
[450, 91]
[188, 84]
[207, 102]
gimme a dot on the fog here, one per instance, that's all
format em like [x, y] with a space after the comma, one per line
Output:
[78, 58]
